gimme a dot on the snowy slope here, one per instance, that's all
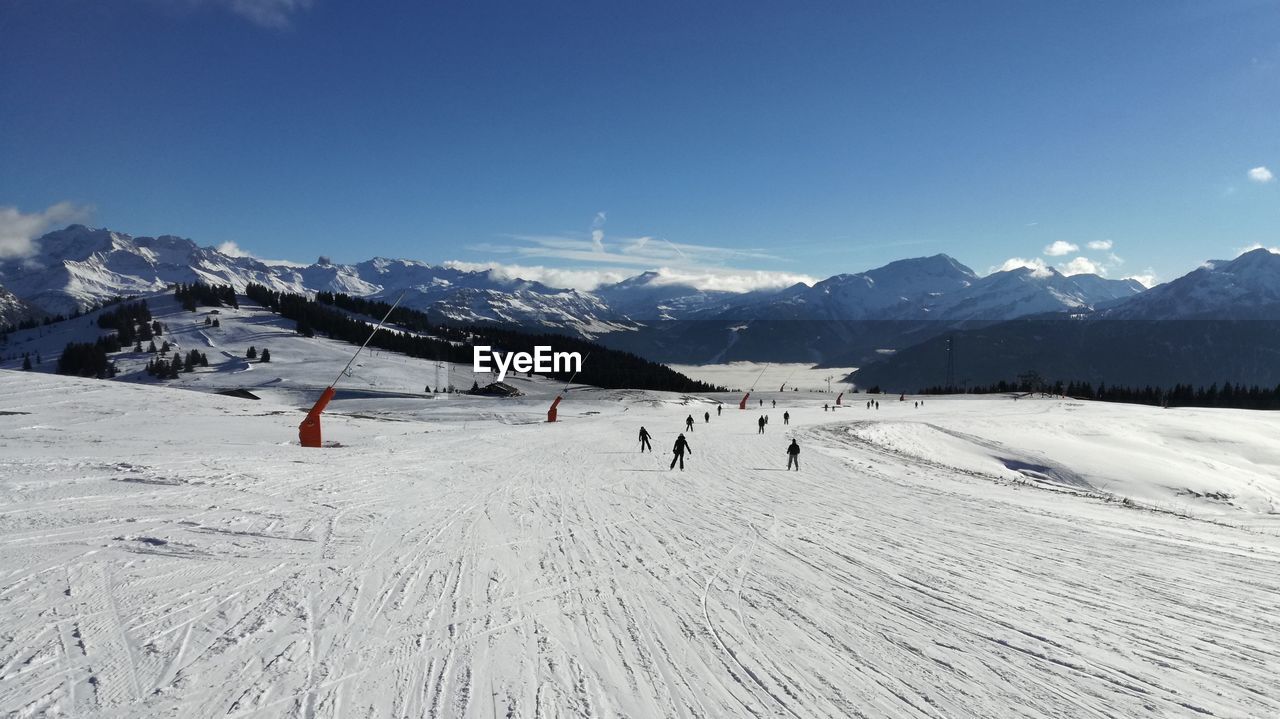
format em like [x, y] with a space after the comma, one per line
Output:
[300, 366]
[169, 553]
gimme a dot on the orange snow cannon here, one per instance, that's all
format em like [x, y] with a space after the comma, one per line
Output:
[309, 430]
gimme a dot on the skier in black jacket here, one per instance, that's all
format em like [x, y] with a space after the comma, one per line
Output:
[644, 440]
[681, 446]
[688, 423]
[793, 455]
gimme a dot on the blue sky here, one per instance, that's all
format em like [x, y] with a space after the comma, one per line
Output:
[738, 142]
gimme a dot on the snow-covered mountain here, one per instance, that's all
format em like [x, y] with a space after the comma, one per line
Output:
[13, 310]
[1246, 288]
[1219, 323]
[648, 297]
[79, 266]
[849, 319]
[938, 288]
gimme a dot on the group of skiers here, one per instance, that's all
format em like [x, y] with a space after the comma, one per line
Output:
[682, 445]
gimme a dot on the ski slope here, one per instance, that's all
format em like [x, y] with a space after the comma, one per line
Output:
[170, 553]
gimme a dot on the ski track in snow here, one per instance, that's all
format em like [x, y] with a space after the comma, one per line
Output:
[180, 560]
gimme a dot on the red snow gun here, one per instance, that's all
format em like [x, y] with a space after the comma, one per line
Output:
[743, 403]
[309, 431]
[839, 397]
[551, 413]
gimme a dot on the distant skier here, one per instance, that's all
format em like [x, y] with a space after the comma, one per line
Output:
[644, 440]
[826, 407]
[761, 402]
[775, 404]
[786, 418]
[706, 417]
[688, 423]
[760, 422]
[877, 404]
[678, 450]
[719, 409]
[793, 455]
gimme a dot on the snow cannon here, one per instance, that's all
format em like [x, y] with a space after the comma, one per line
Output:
[839, 397]
[309, 430]
[743, 403]
[551, 413]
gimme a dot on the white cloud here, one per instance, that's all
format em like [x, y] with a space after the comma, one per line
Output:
[1083, 266]
[597, 232]
[276, 14]
[1037, 266]
[1101, 245]
[268, 13]
[726, 279]
[585, 279]
[1146, 278]
[1060, 248]
[729, 279]
[231, 249]
[1257, 246]
[1261, 174]
[18, 230]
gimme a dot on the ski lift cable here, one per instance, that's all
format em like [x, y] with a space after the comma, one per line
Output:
[346, 370]
[758, 377]
[575, 374]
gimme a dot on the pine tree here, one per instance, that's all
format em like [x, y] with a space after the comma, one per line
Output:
[26, 362]
[138, 347]
[216, 323]
[164, 347]
[252, 353]
[266, 355]
[152, 347]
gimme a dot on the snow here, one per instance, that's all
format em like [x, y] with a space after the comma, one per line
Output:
[175, 553]
[768, 377]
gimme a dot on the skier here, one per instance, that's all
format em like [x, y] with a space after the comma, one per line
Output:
[825, 408]
[793, 456]
[688, 423]
[761, 402]
[678, 450]
[786, 418]
[719, 409]
[775, 404]
[877, 404]
[760, 422]
[644, 440]
[706, 417]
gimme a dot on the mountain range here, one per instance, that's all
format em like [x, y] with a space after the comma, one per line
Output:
[1219, 323]
[870, 319]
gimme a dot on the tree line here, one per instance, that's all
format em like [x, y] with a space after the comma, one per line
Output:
[1226, 395]
[331, 315]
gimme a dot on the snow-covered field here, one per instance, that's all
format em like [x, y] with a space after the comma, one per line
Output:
[173, 553]
[769, 377]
